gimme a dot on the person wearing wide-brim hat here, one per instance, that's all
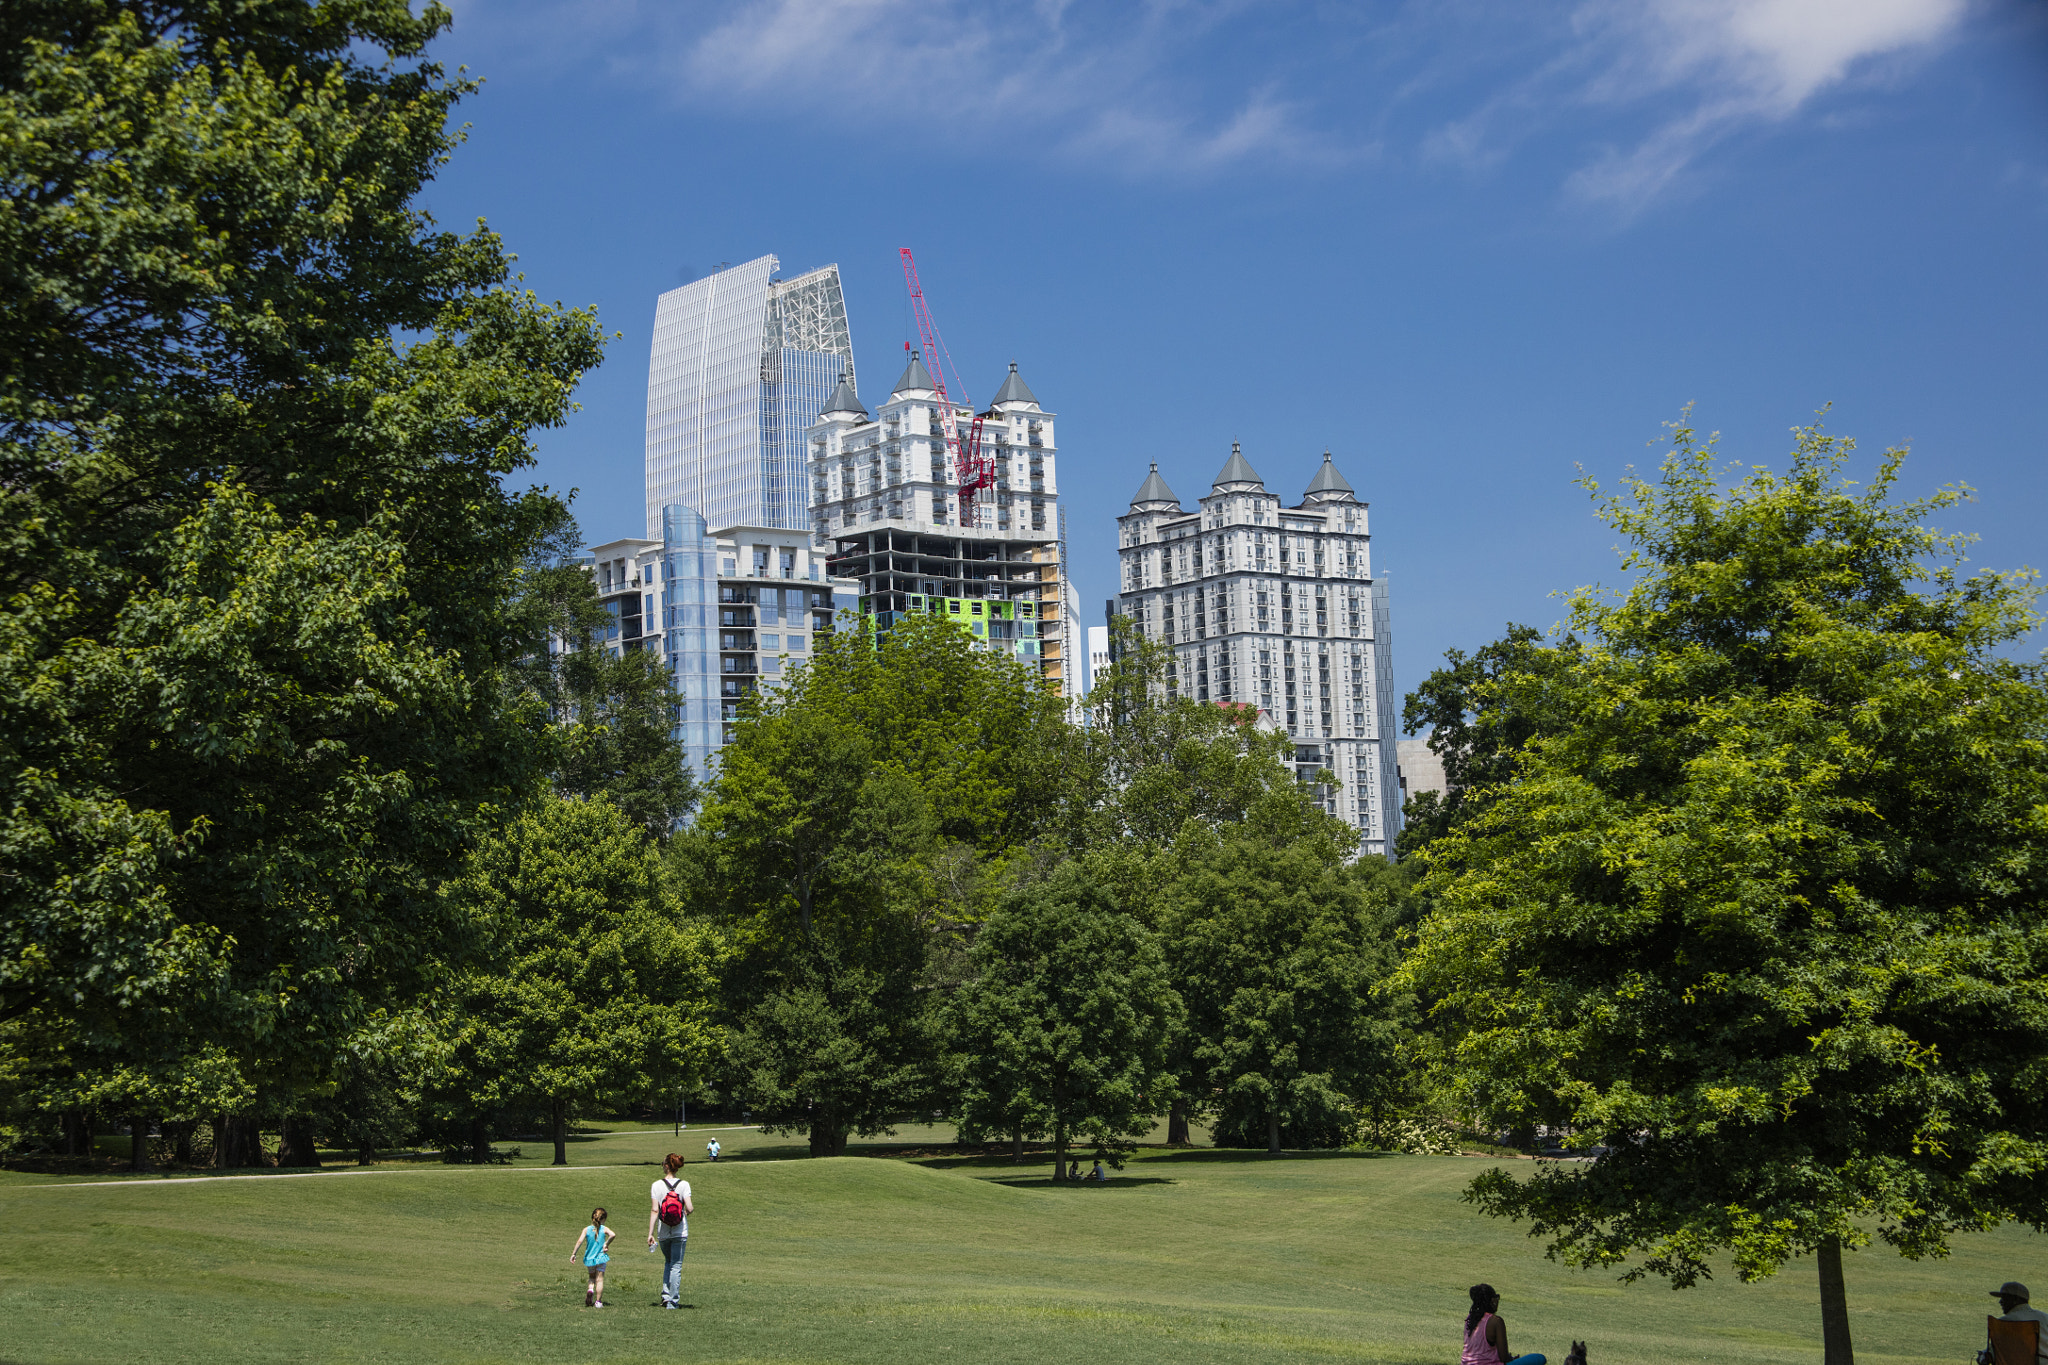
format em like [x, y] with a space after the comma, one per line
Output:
[2012, 1300]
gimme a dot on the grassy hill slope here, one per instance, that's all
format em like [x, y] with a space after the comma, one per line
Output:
[1198, 1256]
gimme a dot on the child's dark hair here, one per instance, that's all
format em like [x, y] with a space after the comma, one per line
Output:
[673, 1162]
[1483, 1296]
[598, 1215]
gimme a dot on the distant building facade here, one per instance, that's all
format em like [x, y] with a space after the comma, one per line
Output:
[1421, 770]
[727, 612]
[1277, 607]
[741, 365]
[885, 508]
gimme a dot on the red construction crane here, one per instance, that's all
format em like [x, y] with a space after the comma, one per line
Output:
[976, 471]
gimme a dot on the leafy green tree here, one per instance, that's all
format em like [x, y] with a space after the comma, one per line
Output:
[862, 818]
[612, 714]
[1766, 915]
[1066, 1025]
[817, 850]
[1478, 726]
[601, 992]
[256, 546]
[1279, 954]
[1153, 761]
[1162, 768]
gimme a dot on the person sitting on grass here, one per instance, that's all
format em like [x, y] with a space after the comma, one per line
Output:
[593, 1244]
[1097, 1175]
[1486, 1336]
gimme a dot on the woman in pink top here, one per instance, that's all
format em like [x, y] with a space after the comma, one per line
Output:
[1486, 1336]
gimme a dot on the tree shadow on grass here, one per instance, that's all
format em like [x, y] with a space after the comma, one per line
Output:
[1251, 1155]
[1046, 1185]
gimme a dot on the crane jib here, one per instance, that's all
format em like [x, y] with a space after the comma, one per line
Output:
[974, 470]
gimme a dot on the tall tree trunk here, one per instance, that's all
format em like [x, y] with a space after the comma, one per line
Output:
[296, 1143]
[479, 1141]
[1059, 1150]
[559, 1112]
[77, 1133]
[235, 1143]
[1834, 1307]
[138, 1142]
[1273, 1131]
[1017, 1147]
[1177, 1125]
[181, 1150]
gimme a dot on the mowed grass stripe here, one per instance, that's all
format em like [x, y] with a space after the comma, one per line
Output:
[1199, 1257]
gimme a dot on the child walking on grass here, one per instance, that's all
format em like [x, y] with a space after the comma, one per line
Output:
[593, 1245]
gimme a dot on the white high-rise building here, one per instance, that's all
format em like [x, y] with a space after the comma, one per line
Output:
[1276, 607]
[885, 498]
[741, 365]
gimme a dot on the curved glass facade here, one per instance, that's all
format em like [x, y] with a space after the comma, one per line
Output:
[689, 573]
[741, 365]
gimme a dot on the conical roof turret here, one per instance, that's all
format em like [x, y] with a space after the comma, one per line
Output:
[1328, 485]
[1238, 476]
[1154, 495]
[915, 376]
[844, 399]
[1014, 390]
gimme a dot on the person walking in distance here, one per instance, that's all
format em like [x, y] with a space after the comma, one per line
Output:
[668, 1226]
[1486, 1336]
[711, 1149]
[593, 1244]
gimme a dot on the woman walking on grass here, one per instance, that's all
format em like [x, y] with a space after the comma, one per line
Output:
[668, 1225]
[1486, 1336]
[594, 1245]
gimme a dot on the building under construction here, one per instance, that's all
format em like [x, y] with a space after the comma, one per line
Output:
[886, 505]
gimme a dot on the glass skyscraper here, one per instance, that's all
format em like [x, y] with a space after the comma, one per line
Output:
[741, 366]
[689, 574]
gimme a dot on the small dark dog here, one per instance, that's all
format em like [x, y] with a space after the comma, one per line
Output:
[1578, 1355]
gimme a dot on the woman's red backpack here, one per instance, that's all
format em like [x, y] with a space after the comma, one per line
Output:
[671, 1211]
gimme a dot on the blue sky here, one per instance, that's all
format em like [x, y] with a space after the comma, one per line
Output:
[1469, 245]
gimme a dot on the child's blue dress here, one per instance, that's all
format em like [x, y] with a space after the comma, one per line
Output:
[593, 1247]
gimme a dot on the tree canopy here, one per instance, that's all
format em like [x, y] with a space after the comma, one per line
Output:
[1280, 955]
[595, 990]
[1766, 914]
[1066, 1023]
[256, 542]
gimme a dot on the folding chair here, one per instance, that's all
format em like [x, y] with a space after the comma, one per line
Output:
[2013, 1343]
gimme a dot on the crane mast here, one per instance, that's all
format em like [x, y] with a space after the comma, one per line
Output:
[975, 470]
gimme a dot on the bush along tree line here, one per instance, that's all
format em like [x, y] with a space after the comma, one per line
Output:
[325, 827]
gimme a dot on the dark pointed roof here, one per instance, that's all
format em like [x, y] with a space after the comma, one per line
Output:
[843, 398]
[1328, 485]
[914, 377]
[1014, 390]
[1154, 489]
[1239, 470]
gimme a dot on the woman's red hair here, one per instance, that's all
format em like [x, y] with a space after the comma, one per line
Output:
[673, 1162]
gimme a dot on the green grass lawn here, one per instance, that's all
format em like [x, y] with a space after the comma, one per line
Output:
[1196, 1256]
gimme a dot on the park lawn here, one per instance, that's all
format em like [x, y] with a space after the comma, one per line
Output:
[1197, 1256]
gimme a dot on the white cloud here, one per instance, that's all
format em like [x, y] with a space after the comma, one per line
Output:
[1742, 62]
[1111, 92]
[1200, 87]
